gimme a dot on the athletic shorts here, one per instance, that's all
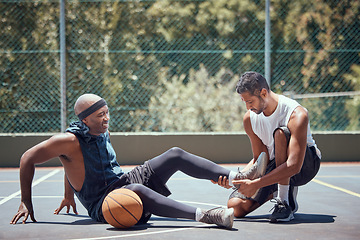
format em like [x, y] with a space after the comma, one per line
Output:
[308, 171]
[144, 175]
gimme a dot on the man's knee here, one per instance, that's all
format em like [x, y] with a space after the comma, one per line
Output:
[282, 134]
[241, 206]
[279, 135]
[139, 189]
[175, 153]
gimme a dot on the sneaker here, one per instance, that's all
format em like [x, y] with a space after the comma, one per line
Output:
[223, 217]
[255, 171]
[282, 212]
[293, 191]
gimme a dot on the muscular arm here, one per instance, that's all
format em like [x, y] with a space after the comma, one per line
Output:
[257, 145]
[68, 200]
[40, 153]
[296, 152]
[68, 192]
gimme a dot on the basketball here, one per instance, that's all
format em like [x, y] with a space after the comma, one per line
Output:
[122, 208]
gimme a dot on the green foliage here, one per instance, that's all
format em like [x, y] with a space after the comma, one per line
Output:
[139, 55]
[353, 104]
[204, 103]
[323, 29]
[29, 66]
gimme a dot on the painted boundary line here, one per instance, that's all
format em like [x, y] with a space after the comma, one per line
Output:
[201, 203]
[36, 182]
[155, 232]
[337, 188]
[143, 234]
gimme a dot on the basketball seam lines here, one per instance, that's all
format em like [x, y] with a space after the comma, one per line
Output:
[125, 207]
[131, 197]
[113, 215]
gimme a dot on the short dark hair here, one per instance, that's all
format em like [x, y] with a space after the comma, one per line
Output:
[251, 82]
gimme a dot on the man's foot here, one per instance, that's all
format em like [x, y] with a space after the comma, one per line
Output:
[257, 170]
[223, 217]
[259, 167]
[282, 212]
[293, 191]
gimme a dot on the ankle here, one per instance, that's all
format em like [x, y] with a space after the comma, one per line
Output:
[283, 192]
[198, 214]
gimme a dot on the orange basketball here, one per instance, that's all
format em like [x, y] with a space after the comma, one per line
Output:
[122, 208]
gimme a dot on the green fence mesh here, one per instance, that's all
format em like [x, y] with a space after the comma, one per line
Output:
[173, 65]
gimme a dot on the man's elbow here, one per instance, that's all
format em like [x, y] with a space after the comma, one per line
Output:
[294, 169]
[26, 159]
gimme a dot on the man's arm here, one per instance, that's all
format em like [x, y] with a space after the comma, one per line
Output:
[40, 153]
[257, 145]
[68, 200]
[296, 153]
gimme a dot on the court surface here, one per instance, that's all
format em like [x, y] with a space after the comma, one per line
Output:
[329, 208]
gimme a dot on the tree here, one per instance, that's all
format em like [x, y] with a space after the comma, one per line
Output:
[353, 104]
[29, 62]
[204, 104]
[132, 52]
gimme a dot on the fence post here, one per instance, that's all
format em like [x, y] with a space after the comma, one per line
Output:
[62, 66]
[267, 43]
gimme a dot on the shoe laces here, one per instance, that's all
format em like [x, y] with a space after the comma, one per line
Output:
[279, 205]
[240, 175]
[213, 215]
[251, 172]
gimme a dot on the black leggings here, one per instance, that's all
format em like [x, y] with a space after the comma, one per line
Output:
[164, 167]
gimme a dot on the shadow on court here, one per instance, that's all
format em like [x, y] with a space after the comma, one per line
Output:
[299, 218]
[319, 216]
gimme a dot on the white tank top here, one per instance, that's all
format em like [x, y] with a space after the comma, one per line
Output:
[264, 126]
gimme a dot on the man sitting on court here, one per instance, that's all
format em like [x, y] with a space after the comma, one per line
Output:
[91, 171]
[279, 126]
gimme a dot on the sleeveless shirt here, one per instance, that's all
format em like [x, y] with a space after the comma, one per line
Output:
[264, 126]
[101, 167]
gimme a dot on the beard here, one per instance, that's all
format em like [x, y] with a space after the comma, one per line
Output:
[261, 107]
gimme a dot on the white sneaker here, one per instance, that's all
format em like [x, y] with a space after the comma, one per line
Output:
[223, 217]
[260, 166]
[255, 171]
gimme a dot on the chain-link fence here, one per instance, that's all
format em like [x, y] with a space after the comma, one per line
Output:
[172, 65]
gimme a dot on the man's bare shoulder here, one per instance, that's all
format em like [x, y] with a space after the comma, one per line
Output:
[247, 124]
[66, 144]
[299, 119]
[299, 113]
[246, 116]
[64, 138]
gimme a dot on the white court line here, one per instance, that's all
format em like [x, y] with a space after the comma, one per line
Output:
[36, 182]
[156, 232]
[34, 197]
[201, 203]
[142, 234]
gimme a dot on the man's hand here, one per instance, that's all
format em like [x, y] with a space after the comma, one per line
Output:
[247, 187]
[223, 182]
[24, 211]
[67, 203]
